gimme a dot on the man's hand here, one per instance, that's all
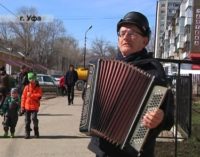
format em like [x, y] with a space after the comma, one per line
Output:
[153, 118]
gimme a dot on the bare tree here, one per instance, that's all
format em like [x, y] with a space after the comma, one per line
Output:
[5, 36]
[4, 31]
[102, 49]
[99, 47]
[67, 52]
[44, 42]
[22, 31]
[112, 51]
[35, 39]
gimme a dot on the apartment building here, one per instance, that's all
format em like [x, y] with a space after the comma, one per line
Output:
[166, 9]
[181, 38]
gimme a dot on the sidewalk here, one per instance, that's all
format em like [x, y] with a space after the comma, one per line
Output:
[59, 132]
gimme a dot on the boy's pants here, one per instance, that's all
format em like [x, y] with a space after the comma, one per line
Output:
[10, 121]
[28, 116]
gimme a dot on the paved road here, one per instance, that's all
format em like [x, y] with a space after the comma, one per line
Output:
[59, 133]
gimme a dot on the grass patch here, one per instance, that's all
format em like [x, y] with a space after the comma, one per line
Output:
[187, 148]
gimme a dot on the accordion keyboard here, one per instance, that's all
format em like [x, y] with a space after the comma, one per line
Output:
[141, 132]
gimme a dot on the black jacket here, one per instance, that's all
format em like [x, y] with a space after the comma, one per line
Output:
[71, 77]
[144, 61]
[22, 81]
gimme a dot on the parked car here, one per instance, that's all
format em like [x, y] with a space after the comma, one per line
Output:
[47, 83]
[57, 79]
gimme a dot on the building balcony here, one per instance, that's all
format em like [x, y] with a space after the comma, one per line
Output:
[165, 54]
[188, 21]
[187, 37]
[177, 21]
[166, 36]
[161, 44]
[177, 30]
[171, 53]
[188, 4]
[172, 48]
[180, 30]
[182, 10]
[189, 12]
[180, 45]
[170, 27]
[172, 41]
[181, 38]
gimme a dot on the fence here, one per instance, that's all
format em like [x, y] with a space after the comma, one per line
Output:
[183, 86]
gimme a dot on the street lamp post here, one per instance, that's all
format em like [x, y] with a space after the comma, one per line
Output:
[85, 45]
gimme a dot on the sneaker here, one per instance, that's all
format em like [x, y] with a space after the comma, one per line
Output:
[37, 135]
[71, 101]
[12, 135]
[36, 131]
[27, 136]
[5, 135]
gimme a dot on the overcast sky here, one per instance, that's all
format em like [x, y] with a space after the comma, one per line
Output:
[79, 15]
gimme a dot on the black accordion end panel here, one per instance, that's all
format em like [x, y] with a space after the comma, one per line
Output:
[117, 96]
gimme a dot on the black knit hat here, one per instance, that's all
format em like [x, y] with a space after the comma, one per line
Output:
[136, 19]
[2, 68]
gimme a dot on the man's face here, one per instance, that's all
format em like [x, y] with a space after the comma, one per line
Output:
[130, 40]
[71, 68]
[23, 70]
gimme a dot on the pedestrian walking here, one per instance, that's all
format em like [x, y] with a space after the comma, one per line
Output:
[10, 110]
[22, 79]
[62, 87]
[4, 85]
[70, 79]
[30, 103]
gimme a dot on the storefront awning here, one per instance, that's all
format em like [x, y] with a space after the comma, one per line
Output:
[194, 55]
[10, 62]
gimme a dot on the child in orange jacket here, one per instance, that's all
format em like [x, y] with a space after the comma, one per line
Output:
[30, 103]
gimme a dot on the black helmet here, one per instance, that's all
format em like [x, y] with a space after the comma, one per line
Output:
[138, 20]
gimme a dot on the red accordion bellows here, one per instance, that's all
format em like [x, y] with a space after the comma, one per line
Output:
[120, 88]
[117, 97]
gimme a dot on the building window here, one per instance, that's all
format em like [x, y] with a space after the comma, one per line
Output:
[162, 5]
[162, 12]
[187, 46]
[176, 5]
[187, 30]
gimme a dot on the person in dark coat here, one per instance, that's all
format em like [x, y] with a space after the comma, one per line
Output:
[22, 79]
[4, 85]
[70, 79]
[133, 36]
[10, 110]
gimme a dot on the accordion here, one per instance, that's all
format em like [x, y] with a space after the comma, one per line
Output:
[117, 96]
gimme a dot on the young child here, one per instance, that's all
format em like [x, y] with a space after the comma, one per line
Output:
[30, 103]
[10, 110]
